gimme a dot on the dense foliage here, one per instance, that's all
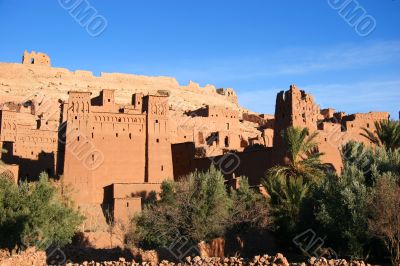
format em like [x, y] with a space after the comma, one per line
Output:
[32, 215]
[354, 211]
[198, 208]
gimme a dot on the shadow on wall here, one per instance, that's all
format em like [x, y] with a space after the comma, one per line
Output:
[107, 205]
[29, 170]
[148, 197]
[253, 162]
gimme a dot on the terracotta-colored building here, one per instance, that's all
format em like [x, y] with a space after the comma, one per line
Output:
[297, 108]
[112, 146]
[114, 155]
[101, 148]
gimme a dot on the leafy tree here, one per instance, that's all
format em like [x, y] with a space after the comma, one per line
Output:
[386, 134]
[196, 208]
[249, 208]
[31, 215]
[341, 211]
[302, 158]
[384, 220]
[341, 202]
[373, 163]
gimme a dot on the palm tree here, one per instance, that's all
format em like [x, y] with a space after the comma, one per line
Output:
[302, 157]
[286, 197]
[386, 134]
[289, 185]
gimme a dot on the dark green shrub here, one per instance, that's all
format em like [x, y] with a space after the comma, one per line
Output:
[32, 215]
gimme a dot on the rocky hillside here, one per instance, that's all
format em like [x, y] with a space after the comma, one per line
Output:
[18, 80]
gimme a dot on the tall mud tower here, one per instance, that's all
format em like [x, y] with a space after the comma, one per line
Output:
[158, 146]
[294, 108]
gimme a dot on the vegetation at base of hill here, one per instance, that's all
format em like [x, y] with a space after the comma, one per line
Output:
[32, 214]
[198, 208]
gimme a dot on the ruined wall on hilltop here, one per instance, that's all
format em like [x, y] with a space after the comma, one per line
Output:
[37, 59]
[30, 77]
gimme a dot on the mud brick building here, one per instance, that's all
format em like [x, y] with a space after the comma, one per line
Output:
[114, 138]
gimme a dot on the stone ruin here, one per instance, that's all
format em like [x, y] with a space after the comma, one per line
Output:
[33, 58]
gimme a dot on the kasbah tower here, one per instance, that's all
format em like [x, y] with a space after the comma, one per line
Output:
[113, 139]
[129, 149]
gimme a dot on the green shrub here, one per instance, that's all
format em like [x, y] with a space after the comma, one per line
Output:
[342, 205]
[341, 211]
[384, 221]
[249, 209]
[32, 215]
[197, 208]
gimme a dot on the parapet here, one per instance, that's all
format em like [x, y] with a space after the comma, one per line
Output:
[367, 116]
[34, 58]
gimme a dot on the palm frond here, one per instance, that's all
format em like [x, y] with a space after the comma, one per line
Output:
[386, 134]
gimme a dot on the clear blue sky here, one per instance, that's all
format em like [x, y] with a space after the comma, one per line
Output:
[258, 47]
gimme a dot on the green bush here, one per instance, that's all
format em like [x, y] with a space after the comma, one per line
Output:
[384, 222]
[341, 211]
[32, 215]
[249, 208]
[342, 205]
[197, 208]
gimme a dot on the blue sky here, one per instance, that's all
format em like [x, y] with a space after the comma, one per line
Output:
[258, 47]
